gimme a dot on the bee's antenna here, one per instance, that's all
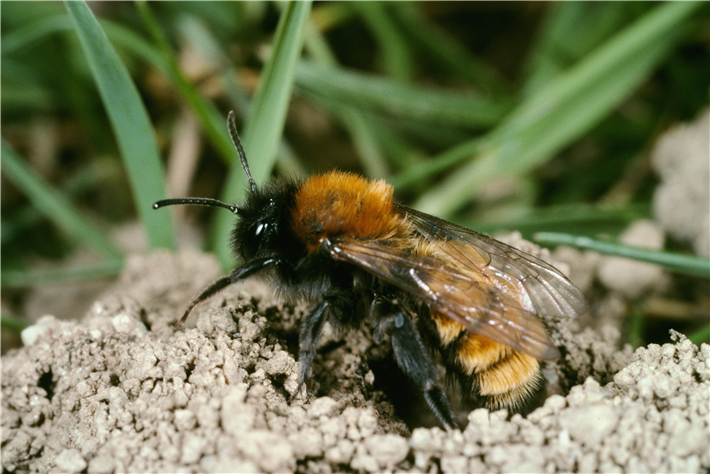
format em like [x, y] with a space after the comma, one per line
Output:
[232, 126]
[195, 202]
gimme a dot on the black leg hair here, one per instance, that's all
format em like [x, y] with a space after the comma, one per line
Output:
[311, 329]
[237, 274]
[414, 359]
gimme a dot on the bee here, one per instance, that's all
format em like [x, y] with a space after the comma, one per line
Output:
[339, 243]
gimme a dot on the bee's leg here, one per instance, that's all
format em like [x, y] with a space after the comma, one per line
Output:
[237, 274]
[311, 329]
[414, 360]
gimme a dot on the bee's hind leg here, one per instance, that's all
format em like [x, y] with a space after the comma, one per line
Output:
[413, 358]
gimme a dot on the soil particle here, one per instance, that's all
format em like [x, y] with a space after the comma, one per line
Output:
[681, 203]
[124, 390]
[70, 460]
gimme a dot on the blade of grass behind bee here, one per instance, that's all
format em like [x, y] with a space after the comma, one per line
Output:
[211, 120]
[130, 122]
[565, 109]
[637, 324]
[444, 161]
[686, 264]
[387, 96]
[570, 31]
[361, 131]
[91, 272]
[54, 204]
[264, 125]
[402, 153]
[579, 218]
[331, 15]
[90, 177]
[396, 53]
[22, 90]
[700, 336]
[18, 39]
[447, 51]
[118, 34]
[198, 36]
[13, 323]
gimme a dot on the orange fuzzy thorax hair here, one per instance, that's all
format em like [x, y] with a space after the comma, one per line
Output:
[339, 203]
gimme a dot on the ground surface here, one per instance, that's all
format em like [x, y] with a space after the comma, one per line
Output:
[123, 390]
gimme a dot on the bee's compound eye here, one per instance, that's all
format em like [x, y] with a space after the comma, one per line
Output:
[260, 228]
[253, 238]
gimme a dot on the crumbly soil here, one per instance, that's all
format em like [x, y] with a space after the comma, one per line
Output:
[123, 390]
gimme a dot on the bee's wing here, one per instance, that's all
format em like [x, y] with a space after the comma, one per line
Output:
[537, 286]
[458, 294]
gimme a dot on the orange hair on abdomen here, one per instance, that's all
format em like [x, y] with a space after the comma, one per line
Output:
[339, 203]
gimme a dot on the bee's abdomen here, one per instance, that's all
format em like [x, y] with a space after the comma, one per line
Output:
[486, 370]
[338, 203]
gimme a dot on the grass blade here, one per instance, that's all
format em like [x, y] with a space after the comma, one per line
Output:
[564, 110]
[54, 204]
[447, 51]
[23, 279]
[207, 114]
[700, 336]
[571, 31]
[572, 218]
[360, 130]
[130, 122]
[397, 57]
[679, 263]
[386, 96]
[87, 178]
[37, 30]
[13, 323]
[262, 131]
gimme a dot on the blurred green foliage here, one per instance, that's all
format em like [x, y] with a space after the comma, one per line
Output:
[529, 116]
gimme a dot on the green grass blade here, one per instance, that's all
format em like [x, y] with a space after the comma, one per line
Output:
[37, 30]
[130, 122]
[264, 125]
[679, 263]
[570, 31]
[397, 56]
[566, 109]
[24, 279]
[207, 114]
[637, 323]
[136, 44]
[386, 96]
[579, 218]
[197, 35]
[700, 336]
[446, 50]
[54, 204]
[361, 131]
[449, 158]
[13, 323]
[90, 177]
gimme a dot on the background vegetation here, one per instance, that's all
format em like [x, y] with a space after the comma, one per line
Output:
[499, 116]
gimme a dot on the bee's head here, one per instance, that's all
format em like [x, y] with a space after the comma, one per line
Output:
[260, 221]
[259, 217]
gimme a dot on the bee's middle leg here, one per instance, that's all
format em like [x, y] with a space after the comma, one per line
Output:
[311, 329]
[413, 357]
